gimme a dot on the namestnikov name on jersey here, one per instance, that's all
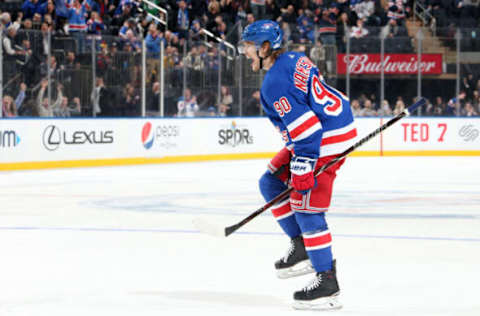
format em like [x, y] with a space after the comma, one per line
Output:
[314, 118]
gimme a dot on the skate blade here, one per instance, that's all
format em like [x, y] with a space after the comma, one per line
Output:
[320, 304]
[301, 268]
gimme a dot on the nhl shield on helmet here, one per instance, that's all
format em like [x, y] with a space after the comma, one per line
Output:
[263, 31]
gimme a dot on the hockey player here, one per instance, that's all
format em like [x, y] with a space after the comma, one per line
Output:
[316, 123]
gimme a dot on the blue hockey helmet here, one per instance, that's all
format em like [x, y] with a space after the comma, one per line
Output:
[263, 31]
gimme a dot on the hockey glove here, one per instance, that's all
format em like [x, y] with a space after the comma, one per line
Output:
[281, 158]
[302, 169]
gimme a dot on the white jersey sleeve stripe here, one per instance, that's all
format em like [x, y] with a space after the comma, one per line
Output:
[300, 120]
[312, 129]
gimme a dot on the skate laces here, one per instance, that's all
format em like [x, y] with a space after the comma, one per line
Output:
[290, 251]
[313, 283]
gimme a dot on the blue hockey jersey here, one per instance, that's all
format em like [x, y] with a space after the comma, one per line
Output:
[315, 119]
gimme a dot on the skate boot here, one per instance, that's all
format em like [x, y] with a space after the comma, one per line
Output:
[295, 262]
[320, 294]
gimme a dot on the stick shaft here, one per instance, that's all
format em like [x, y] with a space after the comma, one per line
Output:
[231, 229]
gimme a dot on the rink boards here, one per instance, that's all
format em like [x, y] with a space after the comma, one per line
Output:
[54, 143]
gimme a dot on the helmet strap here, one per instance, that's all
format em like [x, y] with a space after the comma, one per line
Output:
[262, 58]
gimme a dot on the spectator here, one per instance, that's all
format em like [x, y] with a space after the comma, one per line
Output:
[77, 25]
[356, 108]
[438, 107]
[152, 41]
[49, 9]
[315, 8]
[467, 85]
[24, 52]
[182, 19]
[37, 21]
[44, 109]
[132, 43]
[187, 105]
[27, 25]
[363, 9]
[359, 31]
[385, 109]
[317, 54]
[454, 105]
[71, 62]
[250, 18]
[62, 110]
[8, 107]
[213, 12]
[45, 29]
[258, 8]
[242, 16]
[196, 31]
[476, 100]
[228, 8]
[272, 11]
[124, 11]
[399, 107]
[6, 22]
[153, 98]
[44, 67]
[289, 16]
[212, 111]
[305, 28]
[428, 108]
[469, 110]
[194, 59]
[10, 52]
[392, 29]
[95, 24]
[20, 97]
[75, 108]
[9, 41]
[221, 29]
[30, 7]
[253, 105]
[99, 99]
[368, 109]
[342, 31]
[226, 101]
[396, 10]
[127, 25]
[327, 29]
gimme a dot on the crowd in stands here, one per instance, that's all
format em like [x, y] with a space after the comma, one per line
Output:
[57, 82]
[461, 105]
[447, 13]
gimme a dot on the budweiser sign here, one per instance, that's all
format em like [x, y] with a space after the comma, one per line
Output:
[393, 64]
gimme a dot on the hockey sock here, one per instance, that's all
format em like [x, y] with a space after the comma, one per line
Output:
[317, 239]
[271, 186]
[286, 218]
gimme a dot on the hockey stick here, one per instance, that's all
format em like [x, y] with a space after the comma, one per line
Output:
[211, 229]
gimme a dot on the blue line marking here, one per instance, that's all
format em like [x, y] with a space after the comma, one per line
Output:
[179, 204]
[187, 231]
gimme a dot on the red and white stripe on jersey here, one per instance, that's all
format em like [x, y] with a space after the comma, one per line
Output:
[304, 126]
[282, 210]
[272, 168]
[317, 241]
[77, 27]
[336, 141]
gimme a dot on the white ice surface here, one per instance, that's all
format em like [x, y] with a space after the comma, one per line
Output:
[120, 240]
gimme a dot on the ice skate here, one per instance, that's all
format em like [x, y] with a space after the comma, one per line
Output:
[295, 262]
[320, 294]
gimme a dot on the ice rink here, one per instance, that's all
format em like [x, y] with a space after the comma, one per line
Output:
[120, 240]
